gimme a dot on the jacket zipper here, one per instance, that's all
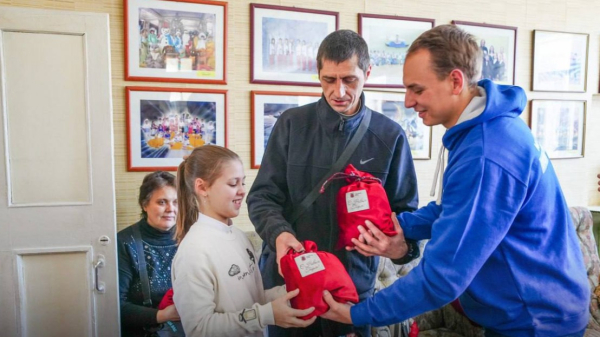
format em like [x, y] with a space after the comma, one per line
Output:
[331, 191]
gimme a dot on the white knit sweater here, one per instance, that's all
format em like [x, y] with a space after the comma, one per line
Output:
[218, 290]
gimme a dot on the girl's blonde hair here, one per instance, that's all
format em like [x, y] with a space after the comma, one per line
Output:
[206, 163]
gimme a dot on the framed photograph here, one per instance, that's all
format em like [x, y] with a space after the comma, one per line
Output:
[284, 42]
[559, 127]
[498, 45]
[175, 41]
[388, 38]
[267, 106]
[165, 124]
[392, 105]
[559, 61]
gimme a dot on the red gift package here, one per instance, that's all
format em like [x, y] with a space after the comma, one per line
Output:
[362, 199]
[167, 300]
[313, 272]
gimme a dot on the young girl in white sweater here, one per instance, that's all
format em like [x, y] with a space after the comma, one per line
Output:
[218, 290]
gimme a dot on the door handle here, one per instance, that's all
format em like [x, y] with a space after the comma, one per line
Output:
[99, 264]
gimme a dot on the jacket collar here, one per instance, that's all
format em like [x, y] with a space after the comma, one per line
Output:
[331, 120]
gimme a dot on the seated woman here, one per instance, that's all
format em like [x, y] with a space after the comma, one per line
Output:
[158, 200]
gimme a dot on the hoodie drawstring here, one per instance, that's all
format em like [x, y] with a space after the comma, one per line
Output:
[440, 167]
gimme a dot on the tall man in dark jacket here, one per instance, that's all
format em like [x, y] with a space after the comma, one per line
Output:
[303, 146]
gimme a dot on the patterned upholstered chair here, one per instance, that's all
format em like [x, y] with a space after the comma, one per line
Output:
[447, 322]
[582, 218]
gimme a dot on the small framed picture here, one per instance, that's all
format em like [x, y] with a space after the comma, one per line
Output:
[388, 38]
[165, 124]
[284, 42]
[498, 45]
[267, 106]
[392, 105]
[175, 41]
[559, 61]
[559, 127]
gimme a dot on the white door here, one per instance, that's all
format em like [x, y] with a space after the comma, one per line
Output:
[58, 270]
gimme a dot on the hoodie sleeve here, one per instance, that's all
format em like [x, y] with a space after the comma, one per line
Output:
[479, 204]
[417, 225]
[269, 191]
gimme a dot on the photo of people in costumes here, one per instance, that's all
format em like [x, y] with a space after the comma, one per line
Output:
[177, 41]
[558, 127]
[392, 106]
[387, 53]
[417, 133]
[494, 60]
[497, 45]
[388, 40]
[291, 46]
[272, 112]
[172, 129]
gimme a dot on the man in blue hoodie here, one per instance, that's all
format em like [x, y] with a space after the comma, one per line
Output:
[501, 237]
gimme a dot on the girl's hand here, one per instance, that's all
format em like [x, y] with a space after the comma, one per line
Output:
[288, 317]
[167, 314]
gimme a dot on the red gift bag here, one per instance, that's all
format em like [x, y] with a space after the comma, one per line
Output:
[167, 300]
[313, 272]
[362, 199]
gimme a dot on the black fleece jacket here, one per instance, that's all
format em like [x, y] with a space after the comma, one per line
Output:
[304, 144]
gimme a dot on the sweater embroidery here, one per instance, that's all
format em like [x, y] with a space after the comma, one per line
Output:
[234, 270]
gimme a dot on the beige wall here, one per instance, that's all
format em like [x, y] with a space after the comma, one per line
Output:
[577, 176]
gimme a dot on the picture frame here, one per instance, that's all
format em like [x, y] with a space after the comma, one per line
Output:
[166, 124]
[275, 61]
[391, 104]
[562, 69]
[558, 126]
[266, 107]
[498, 44]
[388, 38]
[175, 41]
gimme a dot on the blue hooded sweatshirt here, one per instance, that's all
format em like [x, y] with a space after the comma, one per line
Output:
[502, 241]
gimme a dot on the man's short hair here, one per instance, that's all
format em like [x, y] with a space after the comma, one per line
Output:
[451, 48]
[340, 46]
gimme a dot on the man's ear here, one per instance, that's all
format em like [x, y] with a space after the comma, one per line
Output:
[368, 73]
[458, 81]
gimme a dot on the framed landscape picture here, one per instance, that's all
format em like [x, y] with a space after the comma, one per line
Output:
[558, 126]
[166, 124]
[267, 106]
[498, 45]
[175, 41]
[392, 105]
[388, 38]
[284, 42]
[559, 61]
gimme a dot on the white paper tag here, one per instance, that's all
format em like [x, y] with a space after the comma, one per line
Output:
[357, 201]
[309, 264]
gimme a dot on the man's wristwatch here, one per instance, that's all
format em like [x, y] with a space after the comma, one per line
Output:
[413, 252]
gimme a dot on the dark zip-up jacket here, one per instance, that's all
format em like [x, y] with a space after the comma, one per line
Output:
[304, 144]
